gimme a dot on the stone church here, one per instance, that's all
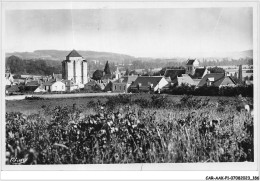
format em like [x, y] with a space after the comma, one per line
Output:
[75, 68]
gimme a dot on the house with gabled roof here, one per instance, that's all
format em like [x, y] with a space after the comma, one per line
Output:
[53, 86]
[94, 86]
[8, 77]
[47, 85]
[123, 83]
[200, 73]
[107, 78]
[185, 79]
[11, 89]
[216, 80]
[172, 74]
[149, 83]
[58, 86]
[57, 76]
[32, 85]
[19, 81]
[40, 89]
[70, 85]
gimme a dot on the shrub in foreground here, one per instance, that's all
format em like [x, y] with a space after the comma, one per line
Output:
[130, 134]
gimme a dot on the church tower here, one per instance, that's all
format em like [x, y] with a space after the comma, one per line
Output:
[117, 73]
[191, 66]
[75, 68]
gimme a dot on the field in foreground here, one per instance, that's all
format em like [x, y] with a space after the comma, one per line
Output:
[121, 129]
[33, 106]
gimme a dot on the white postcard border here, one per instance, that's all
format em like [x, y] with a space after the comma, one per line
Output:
[170, 166]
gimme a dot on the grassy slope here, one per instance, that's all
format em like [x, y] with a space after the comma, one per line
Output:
[32, 106]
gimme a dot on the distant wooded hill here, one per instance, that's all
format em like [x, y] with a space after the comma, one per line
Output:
[118, 58]
[60, 55]
[45, 62]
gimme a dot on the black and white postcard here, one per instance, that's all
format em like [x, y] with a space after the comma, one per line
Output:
[130, 86]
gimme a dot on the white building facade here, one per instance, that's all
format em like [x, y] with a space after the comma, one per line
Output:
[58, 86]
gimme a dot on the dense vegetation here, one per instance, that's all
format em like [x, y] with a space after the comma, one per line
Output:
[126, 130]
[244, 90]
[97, 75]
[35, 67]
[107, 69]
[30, 61]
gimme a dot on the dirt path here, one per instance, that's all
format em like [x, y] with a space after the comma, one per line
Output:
[55, 96]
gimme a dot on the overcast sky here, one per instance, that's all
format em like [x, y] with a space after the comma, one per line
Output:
[137, 32]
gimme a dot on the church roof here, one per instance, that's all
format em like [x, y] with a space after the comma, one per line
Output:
[73, 53]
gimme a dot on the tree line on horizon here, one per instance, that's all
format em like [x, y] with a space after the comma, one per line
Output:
[48, 67]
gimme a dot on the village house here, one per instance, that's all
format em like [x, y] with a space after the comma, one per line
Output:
[70, 85]
[9, 80]
[138, 72]
[90, 85]
[191, 76]
[19, 81]
[11, 89]
[185, 79]
[47, 85]
[25, 76]
[123, 83]
[57, 76]
[40, 89]
[108, 87]
[149, 83]
[31, 85]
[58, 86]
[199, 74]
[172, 74]
[216, 80]
[93, 86]
[54, 86]
[107, 78]
[8, 77]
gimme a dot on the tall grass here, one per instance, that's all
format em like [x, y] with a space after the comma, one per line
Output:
[123, 130]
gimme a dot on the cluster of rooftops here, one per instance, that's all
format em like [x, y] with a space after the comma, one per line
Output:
[173, 77]
[192, 75]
